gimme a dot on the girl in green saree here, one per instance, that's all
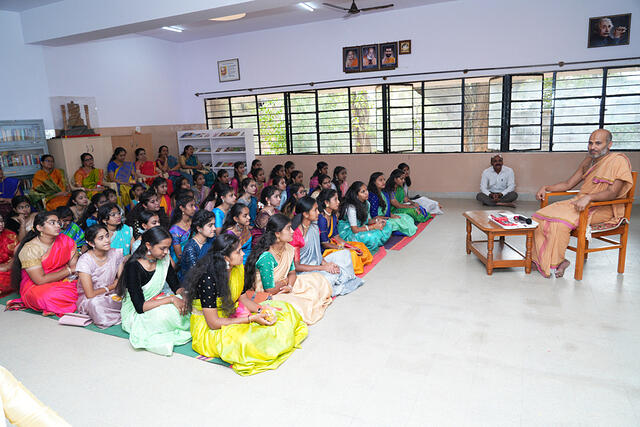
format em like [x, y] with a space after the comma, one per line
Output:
[400, 203]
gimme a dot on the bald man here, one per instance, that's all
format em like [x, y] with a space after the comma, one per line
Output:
[604, 176]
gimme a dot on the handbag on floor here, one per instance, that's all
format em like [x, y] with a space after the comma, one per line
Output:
[75, 319]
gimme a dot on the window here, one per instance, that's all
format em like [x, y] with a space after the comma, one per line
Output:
[552, 111]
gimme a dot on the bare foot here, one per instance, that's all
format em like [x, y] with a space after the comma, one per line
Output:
[507, 204]
[562, 267]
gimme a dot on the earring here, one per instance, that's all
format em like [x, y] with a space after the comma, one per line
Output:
[228, 265]
[148, 253]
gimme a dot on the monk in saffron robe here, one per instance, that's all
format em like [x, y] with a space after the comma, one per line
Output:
[605, 176]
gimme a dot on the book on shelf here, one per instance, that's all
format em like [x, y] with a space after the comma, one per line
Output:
[10, 160]
[224, 164]
[230, 133]
[13, 134]
[229, 149]
[203, 134]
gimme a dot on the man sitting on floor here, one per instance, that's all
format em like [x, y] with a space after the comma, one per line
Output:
[497, 185]
[605, 176]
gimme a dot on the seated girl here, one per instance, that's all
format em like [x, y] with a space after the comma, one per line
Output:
[200, 190]
[337, 267]
[322, 168]
[121, 235]
[121, 171]
[324, 183]
[239, 169]
[8, 244]
[161, 189]
[98, 270]
[222, 178]
[259, 176]
[180, 226]
[380, 206]
[276, 172]
[203, 229]
[356, 222]
[78, 203]
[146, 220]
[136, 191]
[226, 199]
[281, 184]
[17, 220]
[339, 181]
[329, 205]
[297, 191]
[90, 216]
[111, 195]
[226, 324]
[43, 269]
[70, 228]
[209, 202]
[153, 310]
[248, 191]
[271, 268]
[148, 202]
[400, 203]
[143, 168]
[237, 223]
[270, 200]
[431, 206]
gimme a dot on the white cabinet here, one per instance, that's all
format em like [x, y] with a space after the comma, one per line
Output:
[219, 148]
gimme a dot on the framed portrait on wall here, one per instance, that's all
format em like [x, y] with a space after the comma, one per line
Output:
[228, 70]
[388, 55]
[350, 59]
[369, 57]
[405, 47]
[612, 30]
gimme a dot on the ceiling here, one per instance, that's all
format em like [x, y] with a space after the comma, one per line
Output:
[21, 5]
[282, 16]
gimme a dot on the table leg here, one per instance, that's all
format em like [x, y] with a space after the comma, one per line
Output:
[527, 259]
[490, 238]
[468, 237]
[501, 239]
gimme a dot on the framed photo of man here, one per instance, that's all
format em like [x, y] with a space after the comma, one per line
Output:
[369, 57]
[388, 55]
[612, 30]
[351, 59]
[228, 70]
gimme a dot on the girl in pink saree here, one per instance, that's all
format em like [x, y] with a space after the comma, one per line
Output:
[44, 269]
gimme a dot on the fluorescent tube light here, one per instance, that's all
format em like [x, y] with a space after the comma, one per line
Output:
[174, 28]
[307, 6]
[229, 17]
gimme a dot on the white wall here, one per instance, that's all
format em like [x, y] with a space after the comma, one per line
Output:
[134, 79]
[23, 82]
[453, 35]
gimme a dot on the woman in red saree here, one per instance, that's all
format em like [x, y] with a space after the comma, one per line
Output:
[148, 170]
[8, 243]
[44, 269]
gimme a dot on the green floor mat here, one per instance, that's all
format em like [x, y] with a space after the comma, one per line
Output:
[116, 331]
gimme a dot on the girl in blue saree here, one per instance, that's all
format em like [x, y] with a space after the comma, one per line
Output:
[180, 226]
[380, 206]
[356, 222]
[122, 173]
[237, 222]
[203, 230]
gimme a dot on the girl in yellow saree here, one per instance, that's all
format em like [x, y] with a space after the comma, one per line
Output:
[225, 323]
[88, 178]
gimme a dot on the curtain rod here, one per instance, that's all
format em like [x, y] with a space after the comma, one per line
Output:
[385, 77]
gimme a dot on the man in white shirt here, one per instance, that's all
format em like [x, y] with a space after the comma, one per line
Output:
[497, 185]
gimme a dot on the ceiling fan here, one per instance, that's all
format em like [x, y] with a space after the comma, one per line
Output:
[353, 10]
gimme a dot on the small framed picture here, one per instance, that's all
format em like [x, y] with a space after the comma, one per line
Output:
[405, 47]
[228, 70]
[612, 30]
[369, 57]
[351, 59]
[388, 55]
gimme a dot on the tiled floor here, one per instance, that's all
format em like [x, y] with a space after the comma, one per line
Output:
[429, 340]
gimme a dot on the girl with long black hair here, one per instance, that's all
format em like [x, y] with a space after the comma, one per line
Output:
[324, 183]
[431, 206]
[322, 168]
[153, 309]
[146, 220]
[270, 199]
[337, 266]
[339, 181]
[356, 222]
[148, 202]
[226, 199]
[400, 203]
[44, 267]
[247, 197]
[225, 323]
[296, 191]
[180, 226]
[121, 234]
[203, 230]
[273, 258]
[380, 207]
[239, 169]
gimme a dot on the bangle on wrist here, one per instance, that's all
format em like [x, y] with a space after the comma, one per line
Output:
[106, 289]
[69, 268]
[248, 319]
[366, 226]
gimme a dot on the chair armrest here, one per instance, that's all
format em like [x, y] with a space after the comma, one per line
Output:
[609, 202]
[545, 201]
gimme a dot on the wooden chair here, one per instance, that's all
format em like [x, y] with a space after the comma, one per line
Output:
[582, 249]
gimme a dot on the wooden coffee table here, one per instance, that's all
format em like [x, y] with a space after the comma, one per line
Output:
[497, 254]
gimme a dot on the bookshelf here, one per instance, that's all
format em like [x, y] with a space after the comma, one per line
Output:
[22, 142]
[219, 148]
